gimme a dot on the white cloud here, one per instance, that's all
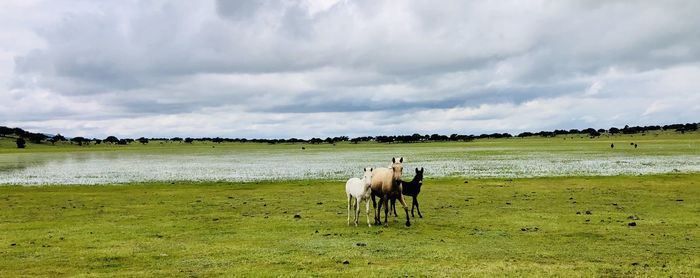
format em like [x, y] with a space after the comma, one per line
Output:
[313, 68]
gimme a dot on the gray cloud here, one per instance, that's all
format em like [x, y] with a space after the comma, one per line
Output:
[291, 62]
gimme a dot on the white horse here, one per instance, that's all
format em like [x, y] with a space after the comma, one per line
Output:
[359, 190]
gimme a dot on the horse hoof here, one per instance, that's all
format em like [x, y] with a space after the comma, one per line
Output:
[408, 224]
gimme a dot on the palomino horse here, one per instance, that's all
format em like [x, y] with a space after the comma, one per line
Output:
[385, 184]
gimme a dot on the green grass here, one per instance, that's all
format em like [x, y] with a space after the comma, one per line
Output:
[486, 227]
[248, 229]
[666, 143]
[514, 157]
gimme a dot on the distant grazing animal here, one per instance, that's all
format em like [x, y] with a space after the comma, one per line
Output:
[359, 190]
[411, 188]
[612, 145]
[385, 184]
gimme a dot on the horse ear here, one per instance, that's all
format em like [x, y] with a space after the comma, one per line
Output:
[401, 160]
[421, 169]
[416, 170]
[364, 169]
[370, 169]
[393, 160]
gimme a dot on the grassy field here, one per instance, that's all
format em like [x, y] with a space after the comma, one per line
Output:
[550, 226]
[667, 143]
[64, 163]
[567, 226]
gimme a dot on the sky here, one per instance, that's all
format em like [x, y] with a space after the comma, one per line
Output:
[309, 68]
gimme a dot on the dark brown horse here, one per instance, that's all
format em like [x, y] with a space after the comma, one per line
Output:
[411, 188]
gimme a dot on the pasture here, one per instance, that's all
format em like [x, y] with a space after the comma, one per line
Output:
[205, 161]
[563, 226]
[563, 206]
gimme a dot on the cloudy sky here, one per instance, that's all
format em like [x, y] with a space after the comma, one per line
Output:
[276, 69]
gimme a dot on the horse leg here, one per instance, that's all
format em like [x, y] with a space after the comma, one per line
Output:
[367, 211]
[405, 208]
[415, 199]
[413, 205]
[349, 206]
[386, 211]
[376, 210]
[379, 211]
[357, 210]
[393, 206]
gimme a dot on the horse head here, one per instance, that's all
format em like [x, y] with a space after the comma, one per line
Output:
[367, 177]
[397, 168]
[419, 176]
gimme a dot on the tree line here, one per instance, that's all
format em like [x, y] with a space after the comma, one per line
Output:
[38, 138]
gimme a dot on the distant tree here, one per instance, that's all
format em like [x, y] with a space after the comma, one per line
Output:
[189, 140]
[122, 142]
[21, 143]
[614, 130]
[35, 138]
[687, 128]
[79, 140]
[57, 138]
[97, 141]
[5, 131]
[591, 132]
[18, 131]
[669, 127]
[217, 140]
[111, 139]
[143, 140]
[384, 139]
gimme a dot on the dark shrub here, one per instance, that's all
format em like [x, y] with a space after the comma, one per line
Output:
[21, 143]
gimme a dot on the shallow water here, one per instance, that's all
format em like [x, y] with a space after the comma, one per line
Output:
[232, 165]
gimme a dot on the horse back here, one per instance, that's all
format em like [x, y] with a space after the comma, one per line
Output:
[411, 188]
[381, 177]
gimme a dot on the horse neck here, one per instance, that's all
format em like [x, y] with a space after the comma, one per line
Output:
[416, 180]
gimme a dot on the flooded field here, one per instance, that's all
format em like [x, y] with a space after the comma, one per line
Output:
[284, 164]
